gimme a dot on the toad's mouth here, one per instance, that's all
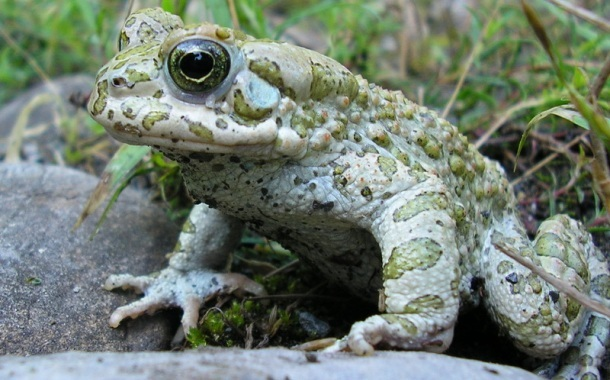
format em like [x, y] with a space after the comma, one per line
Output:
[173, 133]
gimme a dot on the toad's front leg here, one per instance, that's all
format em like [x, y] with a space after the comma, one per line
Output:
[420, 300]
[207, 239]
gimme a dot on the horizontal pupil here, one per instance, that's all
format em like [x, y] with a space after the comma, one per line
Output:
[197, 65]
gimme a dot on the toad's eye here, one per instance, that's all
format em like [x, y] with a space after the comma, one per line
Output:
[198, 65]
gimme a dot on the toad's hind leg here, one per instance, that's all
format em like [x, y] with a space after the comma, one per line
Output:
[542, 321]
[419, 301]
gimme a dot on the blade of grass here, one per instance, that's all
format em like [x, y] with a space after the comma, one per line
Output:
[599, 124]
[474, 52]
[116, 175]
[15, 138]
[583, 14]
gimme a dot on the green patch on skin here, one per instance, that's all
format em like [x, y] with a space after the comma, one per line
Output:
[136, 76]
[119, 65]
[573, 309]
[302, 122]
[99, 104]
[407, 325]
[457, 165]
[421, 203]
[245, 109]
[479, 160]
[387, 112]
[504, 267]
[362, 99]
[127, 128]
[601, 285]
[188, 227]
[161, 112]
[416, 254]
[202, 132]
[129, 54]
[381, 138]
[459, 213]
[327, 81]
[424, 304]
[400, 155]
[534, 282]
[223, 33]
[370, 148]
[338, 131]
[271, 72]
[154, 117]
[551, 245]
[145, 32]
[128, 111]
[432, 147]
[367, 193]
[388, 166]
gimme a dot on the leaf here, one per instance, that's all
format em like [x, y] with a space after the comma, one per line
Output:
[116, 175]
[565, 111]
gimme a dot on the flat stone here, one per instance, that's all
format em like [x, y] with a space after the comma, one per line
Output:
[272, 363]
[51, 276]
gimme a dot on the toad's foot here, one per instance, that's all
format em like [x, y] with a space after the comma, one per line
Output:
[184, 289]
[377, 330]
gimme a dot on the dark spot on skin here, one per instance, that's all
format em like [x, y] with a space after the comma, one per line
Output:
[554, 296]
[476, 284]
[311, 357]
[201, 157]
[324, 206]
[260, 180]
[235, 159]
[485, 214]
[211, 202]
[512, 278]
[367, 193]
[214, 280]
[218, 167]
[256, 223]
[264, 191]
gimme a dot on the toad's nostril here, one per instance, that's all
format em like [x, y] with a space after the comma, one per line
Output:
[118, 81]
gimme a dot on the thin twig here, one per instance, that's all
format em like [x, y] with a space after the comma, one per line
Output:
[584, 14]
[523, 105]
[233, 12]
[473, 53]
[544, 162]
[600, 169]
[29, 59]
[600, 79]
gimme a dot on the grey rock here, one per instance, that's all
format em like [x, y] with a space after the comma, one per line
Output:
[50, 276]
[273, 363]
